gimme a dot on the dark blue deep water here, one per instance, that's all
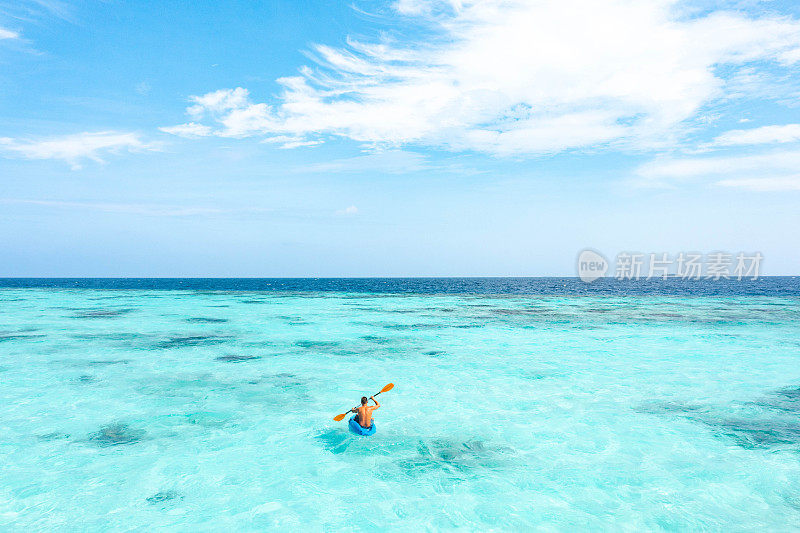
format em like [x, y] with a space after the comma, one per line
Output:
[765, 286]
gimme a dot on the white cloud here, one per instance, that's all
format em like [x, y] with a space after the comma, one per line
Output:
[189, 130]
[288, 142]
[768, 171]
[218, 101]
[75, 148]
[517, 77]
[348, 211]
[8, 34]
[764, 135]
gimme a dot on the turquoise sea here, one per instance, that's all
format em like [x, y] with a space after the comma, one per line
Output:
[518, 404]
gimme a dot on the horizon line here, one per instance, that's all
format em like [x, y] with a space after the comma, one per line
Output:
[642, 278]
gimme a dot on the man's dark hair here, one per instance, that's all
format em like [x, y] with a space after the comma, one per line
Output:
[363, 400]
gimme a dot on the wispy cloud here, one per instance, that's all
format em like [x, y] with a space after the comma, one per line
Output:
[35, 12]
[288, 142]
[75, 149]
[155, 210]
[766, 171]
[388, 162]
[143, 88]
[787, 183]
[38, 9]
[511, 77]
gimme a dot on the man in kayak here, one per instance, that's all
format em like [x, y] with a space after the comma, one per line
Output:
[364, 417]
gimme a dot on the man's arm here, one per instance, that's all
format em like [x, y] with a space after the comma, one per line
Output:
[376, 402]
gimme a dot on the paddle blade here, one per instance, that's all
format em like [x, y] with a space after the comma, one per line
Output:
[339, 418]
[388, 387]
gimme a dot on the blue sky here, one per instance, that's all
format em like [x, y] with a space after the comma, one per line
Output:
[411, 137]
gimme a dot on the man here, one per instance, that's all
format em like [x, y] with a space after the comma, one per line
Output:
[364, 417]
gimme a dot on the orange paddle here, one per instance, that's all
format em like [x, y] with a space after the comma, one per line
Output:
[387, 388]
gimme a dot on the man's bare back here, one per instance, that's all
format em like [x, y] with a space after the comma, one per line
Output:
[365, 412]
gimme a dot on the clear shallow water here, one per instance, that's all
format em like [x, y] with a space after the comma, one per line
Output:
[212, 410]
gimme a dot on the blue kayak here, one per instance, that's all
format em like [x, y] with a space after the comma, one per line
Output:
[356, 428]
